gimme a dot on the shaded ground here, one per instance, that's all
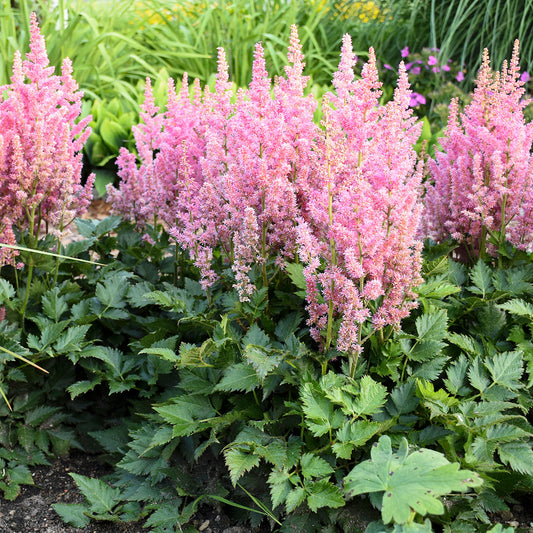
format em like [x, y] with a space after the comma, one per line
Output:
[32, 511]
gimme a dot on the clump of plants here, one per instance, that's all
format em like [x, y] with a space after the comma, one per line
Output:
[264, 296]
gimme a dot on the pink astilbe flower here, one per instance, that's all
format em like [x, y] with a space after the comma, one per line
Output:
[360, 251]
[40, 147]
[479, 191]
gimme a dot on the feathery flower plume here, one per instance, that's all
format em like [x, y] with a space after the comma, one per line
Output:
[40, 147]
[479, 192]
[359, 249]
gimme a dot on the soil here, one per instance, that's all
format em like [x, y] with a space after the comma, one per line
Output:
[32, 511]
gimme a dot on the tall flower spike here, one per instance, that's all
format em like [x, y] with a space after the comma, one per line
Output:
[40, 159]
[479, 191]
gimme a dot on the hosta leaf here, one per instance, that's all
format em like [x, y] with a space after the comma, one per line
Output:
[314, 466]
[238, 462]
[72, 513]
[100, 496]
[409, 482]
[324, 494]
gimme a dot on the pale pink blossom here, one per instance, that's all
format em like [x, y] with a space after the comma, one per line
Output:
[40, 147]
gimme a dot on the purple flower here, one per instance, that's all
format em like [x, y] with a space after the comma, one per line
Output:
[460, 76]
[417, 99]
[525, 77]
[408, 66]
[415, 70]
[405, 51]
[435, 69]
[387, 66]
[446, 68]
[432, 60]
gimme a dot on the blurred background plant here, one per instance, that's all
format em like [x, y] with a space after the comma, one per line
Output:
[115, 45]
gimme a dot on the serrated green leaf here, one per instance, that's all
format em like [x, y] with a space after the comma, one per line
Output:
[54, 305]
[506, 369]
[409, 482]
[518, 455]
[296, 274]
[7, 292]
[295, 498]
[518, 307]
[20, 475]
[280, 486]
[324, 494]
[262, 361]
[101, 497]
[167, 515]
[431, 330]
[239, 462]
[353, 435]
[478, 376]
[318, 410]
[314, 466]
[73, 514]
[239, 377]
[456, 376]
[480, 276]
[371, 398]
[164, 353]
[71, 339]
[81, 387]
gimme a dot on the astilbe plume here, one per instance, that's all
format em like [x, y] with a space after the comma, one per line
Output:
[40, 147]
[480, 185]
[359, 248]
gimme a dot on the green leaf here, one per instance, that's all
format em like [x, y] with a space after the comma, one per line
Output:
[506, 369]
[295, 498]
[20, 475]
[239, 462]
[6, 290]
[480, 276]
[353, 435]
[54, 305]
[518, 307]
[314, 466]
[518, 455]
[262, 361]
[324, 494]
[318, 410]
[101, 497]
[408, 482]
[81, 387]
[73, 514]
[102, 179]
[431, 329]
[372, 397]
[280, 486]
[239, 377]
[296, 274]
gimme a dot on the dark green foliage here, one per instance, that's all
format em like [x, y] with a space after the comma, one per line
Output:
[165, 381]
